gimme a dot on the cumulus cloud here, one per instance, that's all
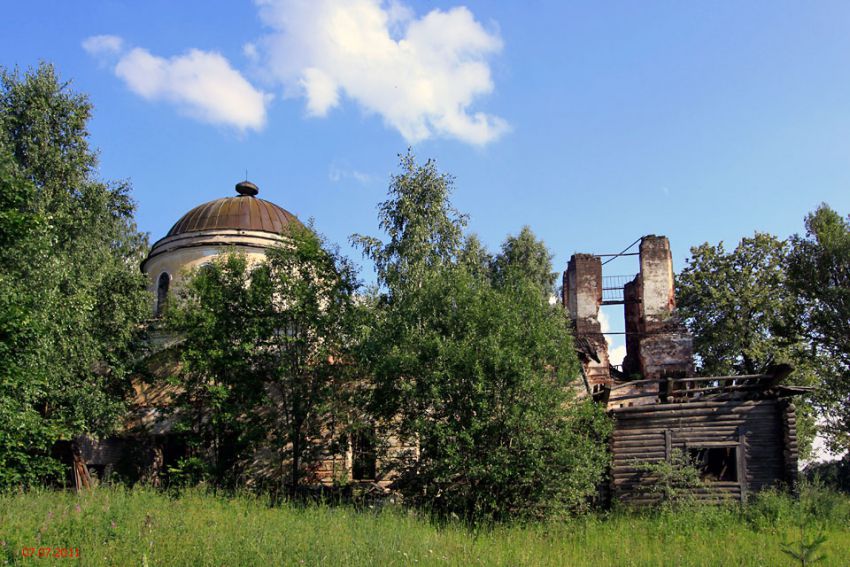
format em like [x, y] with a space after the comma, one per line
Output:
[338, 173]
[616, 354]
[103, 44]
[201, 84]
[421, 75]
[249, 50]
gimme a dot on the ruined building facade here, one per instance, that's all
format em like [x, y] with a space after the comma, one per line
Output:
[248, 225]
[657, 343]
[739, 431]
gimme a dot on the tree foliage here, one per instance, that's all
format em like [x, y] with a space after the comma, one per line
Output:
[476, 377]
[745, 316]
[71, 295]
[739, 306]
[425, 231]
[266, 360]
[527, 256]
[819, 269]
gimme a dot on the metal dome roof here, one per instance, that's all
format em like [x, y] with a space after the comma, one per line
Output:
[242, 212]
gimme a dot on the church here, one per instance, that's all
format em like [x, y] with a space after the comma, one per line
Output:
[242, 223]
[739, 430]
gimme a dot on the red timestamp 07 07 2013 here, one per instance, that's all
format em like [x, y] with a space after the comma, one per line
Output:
[52, 552]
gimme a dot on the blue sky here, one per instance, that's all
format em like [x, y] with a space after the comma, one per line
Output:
[594, 123]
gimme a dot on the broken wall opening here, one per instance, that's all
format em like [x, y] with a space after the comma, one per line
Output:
[657, 345]
[715, 464]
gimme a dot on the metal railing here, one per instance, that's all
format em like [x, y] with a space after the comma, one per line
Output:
[612, 287]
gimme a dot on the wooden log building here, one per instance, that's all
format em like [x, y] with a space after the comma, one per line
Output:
[740, 440]
[739, 432]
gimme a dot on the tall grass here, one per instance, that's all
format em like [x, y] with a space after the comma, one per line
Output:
[116, 526]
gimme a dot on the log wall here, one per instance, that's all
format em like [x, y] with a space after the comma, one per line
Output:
[763, 432]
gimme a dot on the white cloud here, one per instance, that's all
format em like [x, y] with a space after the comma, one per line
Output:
[201, 84]
[616, 354]
[337, 173]
[103, 45]
[249, 50]
[420, 74]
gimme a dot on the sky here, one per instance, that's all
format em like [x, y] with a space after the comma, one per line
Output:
[592, 122]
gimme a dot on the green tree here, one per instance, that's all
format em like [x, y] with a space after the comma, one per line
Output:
[475, 257]
[72, 295]
[266, 360]
[527, 256]
[819, 269]
[738, 305]
[744, 314]
[425, 231]
[476, 377]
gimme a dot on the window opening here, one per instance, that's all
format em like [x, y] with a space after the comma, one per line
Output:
[162, 292]
[364, 461]
[718, 464]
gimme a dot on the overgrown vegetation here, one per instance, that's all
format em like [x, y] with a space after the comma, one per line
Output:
[457, 355]
[671, 480]
[129, 527]
[266, 373]
[772, 301]
[819, 268]
[473, 366]
[71, 294]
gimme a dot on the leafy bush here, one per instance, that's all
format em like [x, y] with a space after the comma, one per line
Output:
[671, 480]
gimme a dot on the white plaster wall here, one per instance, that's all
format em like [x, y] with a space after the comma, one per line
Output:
[656, 272]
[186, 253]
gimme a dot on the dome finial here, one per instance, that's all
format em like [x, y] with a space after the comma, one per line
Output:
[246, 188]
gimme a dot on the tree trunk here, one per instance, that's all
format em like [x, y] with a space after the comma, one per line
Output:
[82, 478]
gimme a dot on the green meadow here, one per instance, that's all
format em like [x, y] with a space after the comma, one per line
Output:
[115, 526]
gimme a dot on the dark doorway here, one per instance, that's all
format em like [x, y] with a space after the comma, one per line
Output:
[364, 461]
[162, 292]
[718, 464]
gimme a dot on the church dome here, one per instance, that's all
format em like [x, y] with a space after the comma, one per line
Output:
[242, 212]
[244, 223]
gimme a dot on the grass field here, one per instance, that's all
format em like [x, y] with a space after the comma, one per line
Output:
[113, 526]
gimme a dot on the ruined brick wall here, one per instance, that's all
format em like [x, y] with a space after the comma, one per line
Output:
[657, 343]
[582, 297]
[631, 308]
[656, 281]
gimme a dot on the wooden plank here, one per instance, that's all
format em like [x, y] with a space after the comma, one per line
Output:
[634, 383]
[709, 378]
[734, 388]
[645, 443]
[653, 395]
[725, 428]
[710, 444]
[622, 458]
[724, 486]
[654, 424]
[741, 458]
[648, 443]
[747, 411]
[695, 420]
[632, 437]
[692, 405]
[633, 452]
[658, 426]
